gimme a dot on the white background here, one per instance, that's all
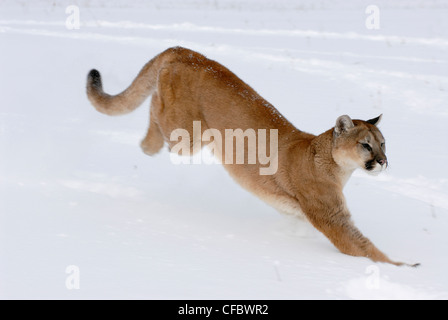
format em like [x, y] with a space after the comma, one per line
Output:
[75, 188]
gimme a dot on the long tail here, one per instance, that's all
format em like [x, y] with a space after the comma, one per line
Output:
[130, 99]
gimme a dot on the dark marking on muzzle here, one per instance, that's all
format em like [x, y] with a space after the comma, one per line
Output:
[370, 165]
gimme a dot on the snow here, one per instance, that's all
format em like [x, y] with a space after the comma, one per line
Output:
[76, 190]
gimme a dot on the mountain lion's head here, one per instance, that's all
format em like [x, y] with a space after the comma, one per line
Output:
[359, 144]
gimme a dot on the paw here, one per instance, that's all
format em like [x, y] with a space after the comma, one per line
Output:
[149, 148]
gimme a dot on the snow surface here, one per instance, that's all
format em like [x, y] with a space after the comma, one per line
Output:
[76, 190]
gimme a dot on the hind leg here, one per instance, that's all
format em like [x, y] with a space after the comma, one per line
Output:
[153, 142]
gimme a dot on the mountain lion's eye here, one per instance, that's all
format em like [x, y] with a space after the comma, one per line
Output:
[366, 146]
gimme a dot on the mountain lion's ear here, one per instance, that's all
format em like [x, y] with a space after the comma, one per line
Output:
[343, 124]
[375, 121]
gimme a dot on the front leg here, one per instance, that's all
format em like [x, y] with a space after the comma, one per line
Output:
[349, 240]
[337, 226]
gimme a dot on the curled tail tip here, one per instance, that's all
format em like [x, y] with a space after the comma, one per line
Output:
[94, 79]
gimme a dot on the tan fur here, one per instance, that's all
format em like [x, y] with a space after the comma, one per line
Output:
[312, 170]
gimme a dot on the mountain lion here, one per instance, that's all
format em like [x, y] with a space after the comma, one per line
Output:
[186, 87]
